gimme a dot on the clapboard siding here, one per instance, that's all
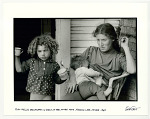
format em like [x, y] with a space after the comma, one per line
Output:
[83, 44]
[81, 33]
[81, 30]
[94, 22]
[78, 50]
[84, 22]
[102, 19]
[82, 37]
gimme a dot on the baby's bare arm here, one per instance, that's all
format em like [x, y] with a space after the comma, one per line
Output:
[90, 72]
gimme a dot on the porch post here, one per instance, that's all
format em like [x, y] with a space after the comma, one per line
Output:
[63, 39]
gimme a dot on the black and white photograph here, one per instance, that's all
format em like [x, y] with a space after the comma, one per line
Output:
[75, 59]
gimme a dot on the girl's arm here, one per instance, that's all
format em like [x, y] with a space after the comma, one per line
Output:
[131, 67]
[17, 63]
[18, 52]
[72, 82]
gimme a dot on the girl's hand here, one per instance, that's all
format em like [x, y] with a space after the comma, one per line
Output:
[124, 42]
[18, 51]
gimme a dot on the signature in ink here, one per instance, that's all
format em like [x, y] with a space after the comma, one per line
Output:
[132, 108]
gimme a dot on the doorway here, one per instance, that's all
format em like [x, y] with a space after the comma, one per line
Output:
[25, 29]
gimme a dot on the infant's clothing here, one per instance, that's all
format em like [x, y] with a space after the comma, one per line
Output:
[87, 87]
[42, 75]
[84, 74]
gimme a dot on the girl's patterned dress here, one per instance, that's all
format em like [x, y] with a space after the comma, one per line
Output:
[42, 75]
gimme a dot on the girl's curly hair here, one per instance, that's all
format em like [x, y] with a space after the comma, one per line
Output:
[44, 39]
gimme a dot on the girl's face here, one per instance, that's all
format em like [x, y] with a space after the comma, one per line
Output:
[104, 43]
[43, 52]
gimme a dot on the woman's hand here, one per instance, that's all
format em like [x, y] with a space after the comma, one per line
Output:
[131, 67]
[71, 86]
[72, 83]
[124, 42]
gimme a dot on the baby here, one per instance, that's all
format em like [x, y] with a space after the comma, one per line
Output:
[88, 80]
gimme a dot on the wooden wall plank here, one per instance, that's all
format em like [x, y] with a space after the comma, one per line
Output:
[82, 29]
[87, 19]
[86, 23]
[77, 50]
[82, 37]
[83, 44]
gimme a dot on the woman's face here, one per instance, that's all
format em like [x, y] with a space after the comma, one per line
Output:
[104, 43]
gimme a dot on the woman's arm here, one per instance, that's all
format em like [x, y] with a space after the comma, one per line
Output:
[131, 67]
[72, 81]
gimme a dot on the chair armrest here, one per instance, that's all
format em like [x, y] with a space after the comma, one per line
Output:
[112, 87]
[117, 88]
[124, 74]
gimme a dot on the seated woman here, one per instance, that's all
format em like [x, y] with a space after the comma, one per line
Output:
[105, 58]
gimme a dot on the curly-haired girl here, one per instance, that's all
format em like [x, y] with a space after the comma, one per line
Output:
[41, 66]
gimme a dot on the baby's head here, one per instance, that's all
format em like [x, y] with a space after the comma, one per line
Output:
[43, 46]
[79, 61]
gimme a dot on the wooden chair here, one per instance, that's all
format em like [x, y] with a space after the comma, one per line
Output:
[120, 81]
